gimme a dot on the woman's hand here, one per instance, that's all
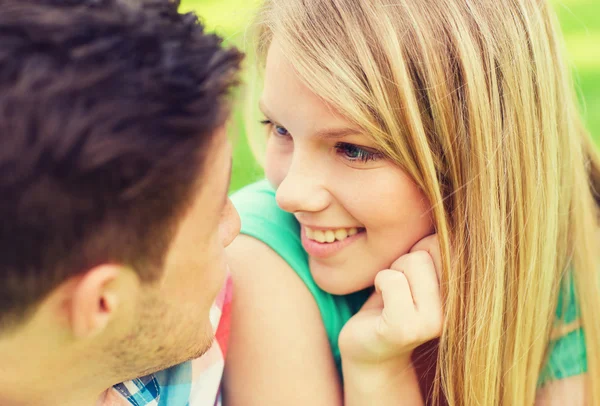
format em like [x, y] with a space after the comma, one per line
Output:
[404, 312]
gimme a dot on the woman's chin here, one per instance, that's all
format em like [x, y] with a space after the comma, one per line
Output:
[336, 281]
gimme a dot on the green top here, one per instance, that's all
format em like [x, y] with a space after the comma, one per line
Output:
[265, 221]
[567, 355]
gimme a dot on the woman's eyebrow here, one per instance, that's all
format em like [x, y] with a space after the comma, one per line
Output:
[336, 133]
[326, 133]
[265, 110]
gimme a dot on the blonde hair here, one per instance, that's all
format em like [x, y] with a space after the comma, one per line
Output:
[474, 101]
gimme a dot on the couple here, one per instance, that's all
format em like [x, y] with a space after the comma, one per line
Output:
[417, 235]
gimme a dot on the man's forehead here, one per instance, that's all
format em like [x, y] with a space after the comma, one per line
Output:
[216, 174]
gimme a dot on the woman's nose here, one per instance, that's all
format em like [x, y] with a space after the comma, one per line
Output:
[302, 190]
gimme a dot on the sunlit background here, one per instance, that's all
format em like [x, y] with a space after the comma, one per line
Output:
[580, 21]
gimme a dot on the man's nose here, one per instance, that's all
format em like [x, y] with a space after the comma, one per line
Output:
[230, 224]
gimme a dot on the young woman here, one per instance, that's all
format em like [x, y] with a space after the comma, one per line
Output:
[433, 150]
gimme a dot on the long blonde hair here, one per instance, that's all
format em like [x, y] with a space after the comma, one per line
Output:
[474, 101]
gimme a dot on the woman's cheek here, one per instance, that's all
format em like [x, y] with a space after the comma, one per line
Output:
[277, 163]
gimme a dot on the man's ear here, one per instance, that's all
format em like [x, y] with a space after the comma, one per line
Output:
[94, 300]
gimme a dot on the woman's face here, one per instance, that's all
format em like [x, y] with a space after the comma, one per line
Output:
[358, 211]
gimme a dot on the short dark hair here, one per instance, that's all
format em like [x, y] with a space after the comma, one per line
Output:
[105, 109]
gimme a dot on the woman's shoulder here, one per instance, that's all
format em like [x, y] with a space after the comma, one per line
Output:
[249, 193]
[257, 198]
[277, 339]
[264, 221]
[275, 236]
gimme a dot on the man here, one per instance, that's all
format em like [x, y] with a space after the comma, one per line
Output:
[114, 170]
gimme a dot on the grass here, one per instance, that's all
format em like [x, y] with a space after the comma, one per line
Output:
[580, 22]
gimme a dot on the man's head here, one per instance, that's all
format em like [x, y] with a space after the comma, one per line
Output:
[114, 169]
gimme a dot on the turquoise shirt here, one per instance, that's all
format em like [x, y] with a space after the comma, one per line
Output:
[264, 220]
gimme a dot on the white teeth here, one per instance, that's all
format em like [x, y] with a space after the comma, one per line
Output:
[330, 236]
[319, 236]
[341, 234]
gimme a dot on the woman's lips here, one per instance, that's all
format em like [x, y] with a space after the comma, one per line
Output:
[327, 249]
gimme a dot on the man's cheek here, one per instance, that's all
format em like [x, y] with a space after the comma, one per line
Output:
[217, 269]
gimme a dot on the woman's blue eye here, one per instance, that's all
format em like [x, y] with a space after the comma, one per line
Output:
[280, 130]
[355, 153]
[277, 129]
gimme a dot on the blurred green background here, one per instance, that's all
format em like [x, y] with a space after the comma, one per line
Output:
[580, 21]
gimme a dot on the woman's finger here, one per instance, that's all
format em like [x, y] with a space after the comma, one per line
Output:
[397, 298]
[431, 245]
[419, 270]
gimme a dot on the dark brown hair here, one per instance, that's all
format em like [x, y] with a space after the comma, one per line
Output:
[106, 108]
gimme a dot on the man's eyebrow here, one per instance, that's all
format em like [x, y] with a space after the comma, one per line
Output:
[335, 133]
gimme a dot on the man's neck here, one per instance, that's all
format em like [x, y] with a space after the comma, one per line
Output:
[65, 397]
[26, 380]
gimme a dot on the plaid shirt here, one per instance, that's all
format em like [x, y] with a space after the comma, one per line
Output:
[193, 383]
